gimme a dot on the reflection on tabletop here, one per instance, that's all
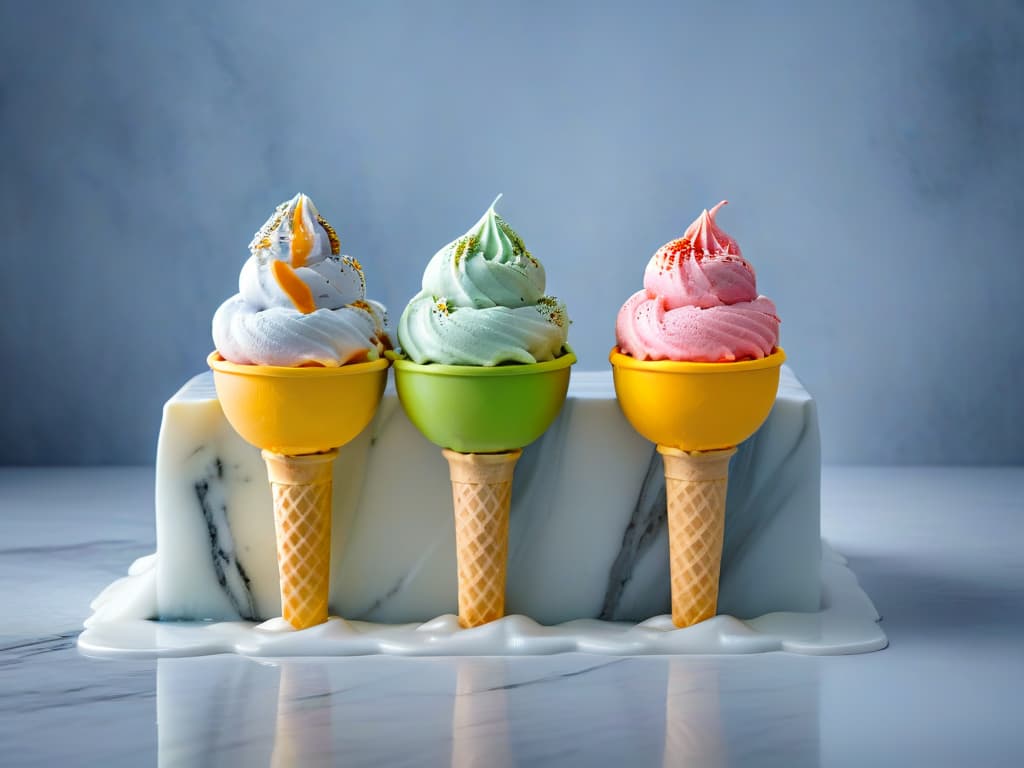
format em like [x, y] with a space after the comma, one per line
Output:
[302, 735]
[573, 709]
[480, 728]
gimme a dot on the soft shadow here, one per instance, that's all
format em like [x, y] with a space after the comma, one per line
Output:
[917, 595]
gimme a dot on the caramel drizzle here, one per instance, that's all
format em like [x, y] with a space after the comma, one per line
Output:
[302, 238]
[293, 286]
[299, 249]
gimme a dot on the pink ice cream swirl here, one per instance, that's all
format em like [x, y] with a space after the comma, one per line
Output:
[699, 302]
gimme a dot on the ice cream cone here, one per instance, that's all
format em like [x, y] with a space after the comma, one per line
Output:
[695, 488]
[301, 487]
[696, 413]
[299, 417]
[481, 416]
[484, 371]
[481, 497]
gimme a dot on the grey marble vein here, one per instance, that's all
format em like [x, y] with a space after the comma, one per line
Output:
[227, 566]
[21, 650]
[646, 521]
[551, 678]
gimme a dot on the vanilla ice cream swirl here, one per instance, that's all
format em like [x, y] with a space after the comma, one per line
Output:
[299, 301]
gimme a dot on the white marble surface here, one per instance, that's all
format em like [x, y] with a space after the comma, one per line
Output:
[587, 533]
[937, 549]
[588, 553]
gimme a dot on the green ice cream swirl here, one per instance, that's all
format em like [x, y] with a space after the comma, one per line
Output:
[483, 303]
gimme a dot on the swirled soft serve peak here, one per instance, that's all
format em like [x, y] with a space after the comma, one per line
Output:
[483, 302]
[300, 302]
[699, 302]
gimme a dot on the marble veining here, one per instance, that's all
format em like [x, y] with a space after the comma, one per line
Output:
[21, 650]
[587, 526]
[231, 576]
[645, 523]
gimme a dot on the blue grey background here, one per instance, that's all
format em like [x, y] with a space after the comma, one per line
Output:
[871, 153]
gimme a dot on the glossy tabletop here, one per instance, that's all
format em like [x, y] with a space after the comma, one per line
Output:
[938, 550]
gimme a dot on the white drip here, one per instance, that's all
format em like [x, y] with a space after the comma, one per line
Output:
[846, 623]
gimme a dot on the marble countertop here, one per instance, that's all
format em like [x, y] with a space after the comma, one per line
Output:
[938, 550]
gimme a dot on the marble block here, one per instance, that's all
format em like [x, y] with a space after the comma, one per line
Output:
[587, 527]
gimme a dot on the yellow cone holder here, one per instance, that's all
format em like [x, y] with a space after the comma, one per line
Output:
[299, 417]
[696, 413]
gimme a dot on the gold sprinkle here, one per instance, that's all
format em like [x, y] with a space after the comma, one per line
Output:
[262, 239]
[464, 245]
[332, 235]
[518, 247]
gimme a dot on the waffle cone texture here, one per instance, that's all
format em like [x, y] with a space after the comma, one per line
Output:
[301, 487]
[481, 498]
[695, 489]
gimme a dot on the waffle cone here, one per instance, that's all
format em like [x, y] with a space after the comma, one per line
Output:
[695, 488]
[301, 487]
[481, 497]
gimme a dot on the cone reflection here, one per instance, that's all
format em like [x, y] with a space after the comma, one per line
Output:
[480, 734]
[302, 732]
[693, 722]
